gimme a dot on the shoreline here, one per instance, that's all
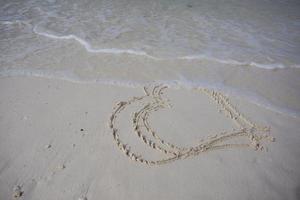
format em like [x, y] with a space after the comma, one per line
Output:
[175, 84]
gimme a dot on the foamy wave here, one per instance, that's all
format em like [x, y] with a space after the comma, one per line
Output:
[10, 22]
[15, 22]
[176, 84]
[238, 63]
[91, 49]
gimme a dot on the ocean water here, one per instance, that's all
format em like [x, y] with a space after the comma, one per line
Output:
[208, 43]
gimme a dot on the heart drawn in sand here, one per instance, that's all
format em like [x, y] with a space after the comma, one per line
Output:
[253, 133]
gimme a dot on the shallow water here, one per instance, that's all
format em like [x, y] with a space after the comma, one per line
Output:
[262, 32]
[232, 45]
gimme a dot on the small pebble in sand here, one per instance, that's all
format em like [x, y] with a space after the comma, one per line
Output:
[82, 129]
[48, 146]
[18, 192]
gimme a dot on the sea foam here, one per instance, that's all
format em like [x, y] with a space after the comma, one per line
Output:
[89, 48]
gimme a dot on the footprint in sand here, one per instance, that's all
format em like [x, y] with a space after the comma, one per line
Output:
[254, 133]
[18, 192]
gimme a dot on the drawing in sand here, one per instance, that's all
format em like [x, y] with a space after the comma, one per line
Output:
[254, 133]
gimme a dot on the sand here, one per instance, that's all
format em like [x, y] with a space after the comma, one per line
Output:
[57, 141]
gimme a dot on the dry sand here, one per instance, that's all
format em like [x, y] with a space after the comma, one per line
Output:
[57, 142]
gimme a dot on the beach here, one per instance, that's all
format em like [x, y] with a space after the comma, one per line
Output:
[69, 153]
[172, 100]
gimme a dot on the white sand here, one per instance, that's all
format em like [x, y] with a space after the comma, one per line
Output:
[55, 144]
